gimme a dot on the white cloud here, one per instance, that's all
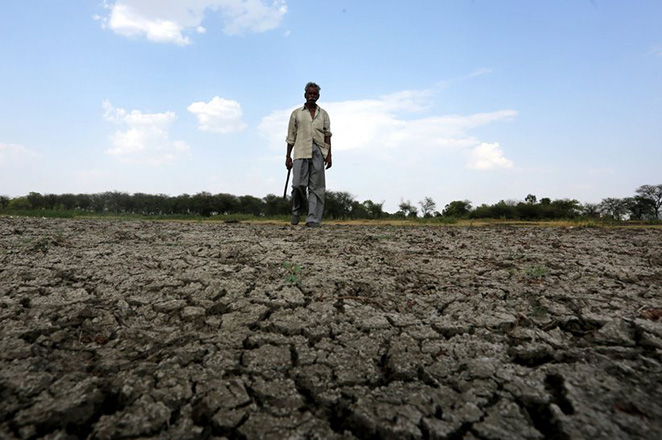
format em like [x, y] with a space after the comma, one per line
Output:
[218, 115]
[274, 129]
[250, 15]
[129, 22]
[384, 126]
[480, 72]
[14, 154]
[171, 21]
[146, 139]
[488, 156]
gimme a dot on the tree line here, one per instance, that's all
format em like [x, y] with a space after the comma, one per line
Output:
[645, 204]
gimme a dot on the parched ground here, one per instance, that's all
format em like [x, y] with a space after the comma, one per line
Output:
[127, 329]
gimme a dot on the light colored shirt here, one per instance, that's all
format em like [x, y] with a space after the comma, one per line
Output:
[303, 130]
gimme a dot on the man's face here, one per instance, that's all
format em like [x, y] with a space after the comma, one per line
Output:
[312, 95]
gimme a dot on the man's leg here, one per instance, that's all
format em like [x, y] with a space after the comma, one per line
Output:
[300, 176]
[316, 188]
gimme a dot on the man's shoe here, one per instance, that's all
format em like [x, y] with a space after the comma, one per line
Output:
[312, 225]
[295, 220]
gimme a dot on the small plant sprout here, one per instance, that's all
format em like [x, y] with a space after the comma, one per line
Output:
[536, 271]
[292, 272]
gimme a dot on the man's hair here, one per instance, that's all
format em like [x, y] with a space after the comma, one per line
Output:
[312, 84]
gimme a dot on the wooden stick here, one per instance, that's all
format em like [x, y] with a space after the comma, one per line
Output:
[286, 182]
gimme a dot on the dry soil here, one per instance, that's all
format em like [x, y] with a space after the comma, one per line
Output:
[136, 329]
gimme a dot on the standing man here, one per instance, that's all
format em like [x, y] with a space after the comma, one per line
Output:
[309, 137]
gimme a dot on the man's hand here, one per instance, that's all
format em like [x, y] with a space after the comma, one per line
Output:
[288, 162]
[328, 161]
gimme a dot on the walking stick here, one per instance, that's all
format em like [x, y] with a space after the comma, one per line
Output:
[286, 182]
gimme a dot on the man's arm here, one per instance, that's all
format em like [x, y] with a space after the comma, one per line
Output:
[291, 137]
[288, 156]
[327, 140]
[328, 161]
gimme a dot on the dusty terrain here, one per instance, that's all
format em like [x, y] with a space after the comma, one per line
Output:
[118, 329]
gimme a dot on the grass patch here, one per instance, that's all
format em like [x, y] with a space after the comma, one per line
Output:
[536, 272]
[292, 271]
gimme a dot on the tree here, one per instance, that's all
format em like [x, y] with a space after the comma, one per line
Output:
[35, 200]
[457, 209]
[565, 208]
[225, 204]
[614, 208]
[202, 204]
[530, 211]
[251, 205]
[640, 208]
[504, 210]
[149, 204]
[4, 201]
[182, 204]
[338, 205]
[141, 203]
[654, 194]
[427, 206]
[374, 210]
[407, 209]
[483, 211]
[20, 203]
[83, 201]
[358, 210]
[276, 205]
[591, 210]
[98, 202]
[67, 202]
[50, 201]
[117, 202]
[531, 199]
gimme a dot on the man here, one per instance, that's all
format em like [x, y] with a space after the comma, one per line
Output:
[309, 138]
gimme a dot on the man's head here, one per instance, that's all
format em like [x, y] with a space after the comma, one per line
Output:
[312, 93]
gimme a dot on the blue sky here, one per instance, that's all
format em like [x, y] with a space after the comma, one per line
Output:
[477, 100]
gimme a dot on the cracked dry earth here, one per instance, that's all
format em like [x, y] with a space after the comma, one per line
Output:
[137, 329]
